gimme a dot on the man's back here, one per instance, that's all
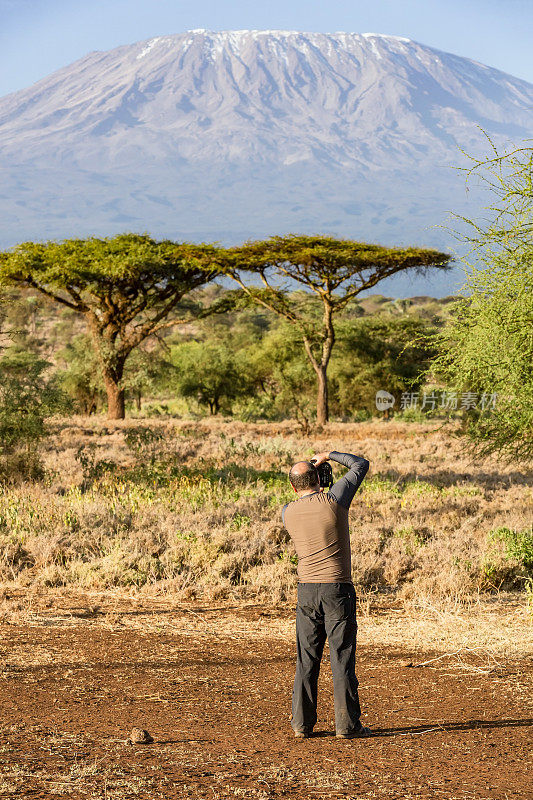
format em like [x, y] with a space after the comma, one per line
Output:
[318, 525]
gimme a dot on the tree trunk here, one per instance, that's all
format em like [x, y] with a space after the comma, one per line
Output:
[138, 400]
[321, 367]
[115, 398]
[322, 408]
[112, 363]
[214, 406]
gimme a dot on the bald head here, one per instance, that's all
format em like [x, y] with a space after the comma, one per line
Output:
[303, 475]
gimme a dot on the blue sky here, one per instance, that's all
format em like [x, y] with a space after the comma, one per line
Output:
[39, 36]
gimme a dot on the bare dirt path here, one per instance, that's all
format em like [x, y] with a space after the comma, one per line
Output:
[216, 699]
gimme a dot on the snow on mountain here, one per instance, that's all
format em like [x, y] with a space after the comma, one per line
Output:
[238, 134]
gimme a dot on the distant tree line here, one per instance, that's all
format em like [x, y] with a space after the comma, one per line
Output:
[246, 361]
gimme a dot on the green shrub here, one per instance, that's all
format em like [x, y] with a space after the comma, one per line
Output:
[27, 396]
[518, 545]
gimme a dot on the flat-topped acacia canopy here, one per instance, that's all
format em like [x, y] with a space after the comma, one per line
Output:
[126, 286]
[336, 270]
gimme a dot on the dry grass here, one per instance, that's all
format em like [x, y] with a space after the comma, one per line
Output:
[192, 510]
[83, 778]
[472, 635]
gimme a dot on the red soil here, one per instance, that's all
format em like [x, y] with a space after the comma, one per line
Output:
[218, 708]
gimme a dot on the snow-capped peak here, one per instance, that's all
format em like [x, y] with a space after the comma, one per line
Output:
[387, 36]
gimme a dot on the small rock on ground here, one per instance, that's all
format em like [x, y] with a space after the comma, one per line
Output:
[139, 736]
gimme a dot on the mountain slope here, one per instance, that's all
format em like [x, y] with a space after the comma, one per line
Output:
[238, 134]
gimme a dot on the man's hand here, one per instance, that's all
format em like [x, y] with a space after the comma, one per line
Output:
[320, 458]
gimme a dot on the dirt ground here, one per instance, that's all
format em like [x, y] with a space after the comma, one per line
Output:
[213, 687]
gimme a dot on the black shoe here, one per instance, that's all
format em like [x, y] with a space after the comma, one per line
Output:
[359, 733]
[305, 734]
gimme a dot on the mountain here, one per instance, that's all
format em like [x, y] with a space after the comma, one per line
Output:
[239, 134]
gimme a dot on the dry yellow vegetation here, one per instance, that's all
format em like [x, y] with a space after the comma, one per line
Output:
[192, 509]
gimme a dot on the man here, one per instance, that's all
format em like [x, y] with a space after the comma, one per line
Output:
[317, 523]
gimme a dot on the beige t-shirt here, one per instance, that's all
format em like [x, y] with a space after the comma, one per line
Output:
[318, 526]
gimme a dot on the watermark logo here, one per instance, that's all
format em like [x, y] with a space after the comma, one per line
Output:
[432, 401]
[384, 400]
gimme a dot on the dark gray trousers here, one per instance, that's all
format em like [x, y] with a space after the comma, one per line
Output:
[326, 610]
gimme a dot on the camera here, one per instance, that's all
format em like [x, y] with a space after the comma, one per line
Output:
[325, 475]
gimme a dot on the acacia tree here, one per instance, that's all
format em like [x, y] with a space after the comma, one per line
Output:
[127, 287]
[382, 351]
[207, 372]
[335, 270]
[487, 345]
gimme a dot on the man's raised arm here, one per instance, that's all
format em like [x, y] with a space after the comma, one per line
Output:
[344, 489]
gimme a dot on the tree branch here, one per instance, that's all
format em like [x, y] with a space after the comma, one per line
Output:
[51, 295]
[260, 299]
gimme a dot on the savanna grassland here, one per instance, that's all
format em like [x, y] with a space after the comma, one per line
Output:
[147, 581]
[192, 508]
